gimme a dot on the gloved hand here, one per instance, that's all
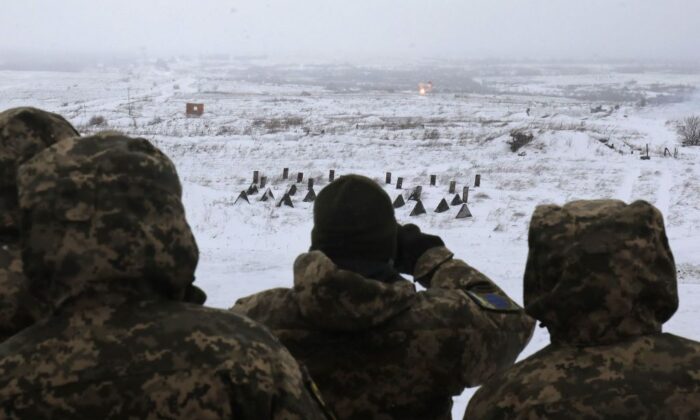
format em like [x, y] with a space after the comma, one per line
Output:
[194, 294]
[411, 244]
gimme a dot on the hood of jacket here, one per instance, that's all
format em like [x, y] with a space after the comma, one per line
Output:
[24, 132]
[334, 299]
[599, 271]
[104, 209]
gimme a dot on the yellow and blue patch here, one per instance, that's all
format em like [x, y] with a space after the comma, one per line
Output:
[493, 301]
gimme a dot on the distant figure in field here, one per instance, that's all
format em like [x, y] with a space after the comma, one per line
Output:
[106, 244]
[24, 132]
[601, 277]
[377, 348]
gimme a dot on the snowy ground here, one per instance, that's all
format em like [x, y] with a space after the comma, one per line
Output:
[356, 120]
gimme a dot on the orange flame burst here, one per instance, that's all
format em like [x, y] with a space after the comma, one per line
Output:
[425, 88]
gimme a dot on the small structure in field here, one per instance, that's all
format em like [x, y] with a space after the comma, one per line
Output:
[442, 207]
[267, 196]
[418, 209]
[464, 212]
[243, 196]
[310, 196]
[194, 110]
[415, 195]
[399, 202]
[286, 201]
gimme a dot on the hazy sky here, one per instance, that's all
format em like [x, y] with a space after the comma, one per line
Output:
[643, 29]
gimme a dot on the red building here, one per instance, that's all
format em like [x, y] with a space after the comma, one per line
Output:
[194, 110]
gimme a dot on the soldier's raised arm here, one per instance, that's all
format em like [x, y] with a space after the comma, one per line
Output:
[500, 327]
[376, 346]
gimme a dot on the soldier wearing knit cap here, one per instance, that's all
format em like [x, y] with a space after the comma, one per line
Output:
[24, 132]
[353, 218]
[354, 226]
[376, 347]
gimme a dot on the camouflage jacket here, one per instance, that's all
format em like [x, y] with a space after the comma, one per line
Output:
[14, 313]
[121, 354]
[24, 132]
[601, 277]
[381, 350]
[106, 246]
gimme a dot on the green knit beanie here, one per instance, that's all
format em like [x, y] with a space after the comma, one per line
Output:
[354, 218]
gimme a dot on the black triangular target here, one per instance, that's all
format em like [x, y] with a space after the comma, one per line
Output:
[464, 212]
[399, 202]
[267, 196]
[252, 190]
[415, 195]
[242, 197]
[285, 201]
[310, 196]
[457, 200]
[292, 190]
[442, 207]
[418, 209]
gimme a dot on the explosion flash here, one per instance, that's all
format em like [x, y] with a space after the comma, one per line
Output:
[425, 88]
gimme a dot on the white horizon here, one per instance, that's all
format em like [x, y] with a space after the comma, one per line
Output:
[595, 30]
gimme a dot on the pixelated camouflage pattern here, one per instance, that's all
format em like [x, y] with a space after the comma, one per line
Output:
[600, 276]
[384, 351]
[102, 214]
[117, 354]
[599, 270]
[23, 133]
[453, 276]
[17, 309]
[104, 207]
[655, 376]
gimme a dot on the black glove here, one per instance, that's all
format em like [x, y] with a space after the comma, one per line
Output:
[411, 244]
[194, 294]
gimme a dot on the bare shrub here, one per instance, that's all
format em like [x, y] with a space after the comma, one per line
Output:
[155, 121]
[519, 139]
[433, 134]
[224, 130]
[97, 121]
[293, 121]
[403, 123]
[689, 130]
[276, 125]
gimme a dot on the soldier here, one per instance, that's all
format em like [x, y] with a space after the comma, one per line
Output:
[601, 277]
[105, 242]
[377, 348]
[24, 132]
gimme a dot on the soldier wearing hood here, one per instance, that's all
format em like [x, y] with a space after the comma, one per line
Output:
[601, 278]
[106, 245]
[377, 348]
[24, 132]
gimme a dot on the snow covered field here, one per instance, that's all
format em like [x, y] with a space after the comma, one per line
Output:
[313, 118]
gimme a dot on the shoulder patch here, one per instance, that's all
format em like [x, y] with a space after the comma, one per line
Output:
[316, 393]
[493, 301]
